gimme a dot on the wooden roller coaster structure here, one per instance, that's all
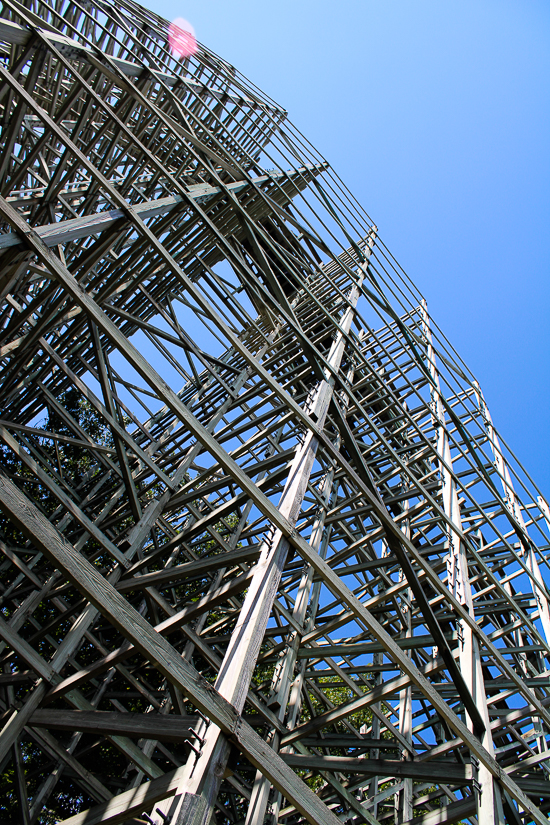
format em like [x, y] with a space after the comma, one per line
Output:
[264, 557]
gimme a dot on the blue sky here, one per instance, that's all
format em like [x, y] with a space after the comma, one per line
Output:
[436, 115]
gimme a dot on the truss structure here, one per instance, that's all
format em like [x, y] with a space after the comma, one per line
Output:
[264, 558]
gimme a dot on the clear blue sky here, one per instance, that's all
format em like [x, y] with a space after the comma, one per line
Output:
[436, 114]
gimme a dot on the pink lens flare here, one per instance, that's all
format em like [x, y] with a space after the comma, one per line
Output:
[181, 37]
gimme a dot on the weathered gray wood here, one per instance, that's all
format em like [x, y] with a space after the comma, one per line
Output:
[139, 210]
[31, 522]
[423, 771]
[125, 805]
[16, 678]
[447, 814]
[135, 725]
[72, 229]
[193, 809]
[190, 570]
[144, 368]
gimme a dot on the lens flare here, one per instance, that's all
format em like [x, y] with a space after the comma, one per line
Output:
[181, 37]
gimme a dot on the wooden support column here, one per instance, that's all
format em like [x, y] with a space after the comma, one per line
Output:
[458, 582]
[512, 502]
[536, 580]
[239, 661]
[404, 798]
[287, 689]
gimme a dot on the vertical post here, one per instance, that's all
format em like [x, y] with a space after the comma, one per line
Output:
[207, 771]
[459, 583]
[283, 685]
[404, 798]
[514, 508]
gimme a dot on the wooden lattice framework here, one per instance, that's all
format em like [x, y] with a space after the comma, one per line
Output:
[264, 558]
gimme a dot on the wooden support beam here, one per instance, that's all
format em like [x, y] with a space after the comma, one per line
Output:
[190, 570]
[62, 232]
[447, 814]
[135, 725]
[129, 803]
[450, 772]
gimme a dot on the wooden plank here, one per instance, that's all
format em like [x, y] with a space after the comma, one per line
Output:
[19, 678]
[72, 229]
[361, 648]
[165, 727]
[349, 741]
[447, 814]
[190, 570]
[125, 805]
[449, 772]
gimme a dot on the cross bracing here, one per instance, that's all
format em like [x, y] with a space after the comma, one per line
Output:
[265, 557]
